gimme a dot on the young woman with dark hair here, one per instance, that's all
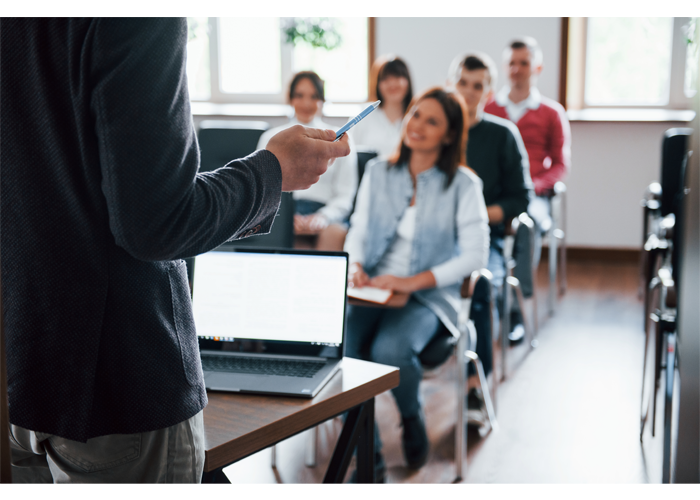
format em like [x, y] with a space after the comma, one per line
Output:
[329, 201]
[390, 82]
[420, 226]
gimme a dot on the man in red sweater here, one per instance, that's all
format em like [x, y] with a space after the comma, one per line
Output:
[543, 126]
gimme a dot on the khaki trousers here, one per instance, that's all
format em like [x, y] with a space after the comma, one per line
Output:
[171, 455]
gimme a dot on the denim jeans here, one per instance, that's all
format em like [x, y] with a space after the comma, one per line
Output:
[394, 337]
[307, 207]
[171, 455]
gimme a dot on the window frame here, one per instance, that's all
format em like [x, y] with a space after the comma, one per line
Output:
[573, 79]
[217, 96]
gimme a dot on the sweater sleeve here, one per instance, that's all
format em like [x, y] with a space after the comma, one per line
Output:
[559, 150]
[159, 206]
[515, 174]
[344, 187]
[355, 239]
[472, 237]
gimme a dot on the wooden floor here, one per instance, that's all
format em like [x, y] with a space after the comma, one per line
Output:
[568, 413]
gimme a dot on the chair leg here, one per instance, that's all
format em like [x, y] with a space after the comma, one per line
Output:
[461, 383]
[515, 284]
[658, 354]
[474, 359]
[562, 261]
[535, 308]
[505, 329]
[552, 270]
[273, 456]
[310, 453]
[670, 353]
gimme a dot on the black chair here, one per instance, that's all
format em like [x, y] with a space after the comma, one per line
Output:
[363, 157]
[221, 141]
[659, 207]
[664, 243]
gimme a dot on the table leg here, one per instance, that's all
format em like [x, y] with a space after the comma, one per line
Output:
[365, 446]
[358, 432]
[215, 476]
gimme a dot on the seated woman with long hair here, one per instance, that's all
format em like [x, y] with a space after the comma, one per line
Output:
[330, 199]
[419, 226]
[390, 82]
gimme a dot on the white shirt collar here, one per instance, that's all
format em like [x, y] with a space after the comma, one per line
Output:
[532, 101]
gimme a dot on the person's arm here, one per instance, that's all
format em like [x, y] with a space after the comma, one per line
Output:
[514, 174]
[159, 207]
[343, 185]
[559, 151]
[355, 239]
[472, 238]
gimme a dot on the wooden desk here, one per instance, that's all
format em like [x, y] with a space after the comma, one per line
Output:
[238, 425]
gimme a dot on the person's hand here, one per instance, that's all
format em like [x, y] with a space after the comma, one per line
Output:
[305, 154]
[310, 224]
[495, 213]
[357, 276]
[390, 282]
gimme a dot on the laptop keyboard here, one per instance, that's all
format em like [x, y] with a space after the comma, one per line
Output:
[261, 366]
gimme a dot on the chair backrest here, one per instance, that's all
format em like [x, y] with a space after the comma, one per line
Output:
[363, 157]
[679, 225]
[5, 467]
[524, 229]
[673, 150]
[221, 141]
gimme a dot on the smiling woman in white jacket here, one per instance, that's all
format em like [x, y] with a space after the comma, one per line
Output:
[329, 201]
[390, 82]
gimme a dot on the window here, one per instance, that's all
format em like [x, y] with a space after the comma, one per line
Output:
[249, 60]
[627, 62]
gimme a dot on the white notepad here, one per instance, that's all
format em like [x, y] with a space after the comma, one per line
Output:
[370, 294]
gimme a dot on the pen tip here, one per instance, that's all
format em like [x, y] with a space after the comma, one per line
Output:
[376, 103]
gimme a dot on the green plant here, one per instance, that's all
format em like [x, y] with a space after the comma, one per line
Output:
[319, 32]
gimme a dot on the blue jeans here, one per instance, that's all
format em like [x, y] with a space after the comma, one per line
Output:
[307, 207]
[393, 337]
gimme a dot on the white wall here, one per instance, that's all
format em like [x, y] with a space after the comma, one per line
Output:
[428, 45]
[612, 163]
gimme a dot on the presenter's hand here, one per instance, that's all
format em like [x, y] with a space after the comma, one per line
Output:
[305, 154]
[357, 277]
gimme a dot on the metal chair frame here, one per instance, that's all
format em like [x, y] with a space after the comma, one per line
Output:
[463, 344]
[512, 286]
[557, 246]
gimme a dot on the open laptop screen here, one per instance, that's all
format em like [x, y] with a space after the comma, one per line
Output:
[278, 296]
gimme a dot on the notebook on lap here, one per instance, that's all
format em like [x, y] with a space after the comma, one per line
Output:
[270, 321]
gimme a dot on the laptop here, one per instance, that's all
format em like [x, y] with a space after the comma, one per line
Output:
[270, 321]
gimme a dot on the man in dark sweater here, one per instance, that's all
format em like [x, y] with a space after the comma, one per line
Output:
[101, 201]
[495, 151]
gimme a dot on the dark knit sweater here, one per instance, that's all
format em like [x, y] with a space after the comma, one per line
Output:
[493, 153]
[100, 199]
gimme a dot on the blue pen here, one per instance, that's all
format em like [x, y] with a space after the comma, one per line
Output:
[356, 120]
